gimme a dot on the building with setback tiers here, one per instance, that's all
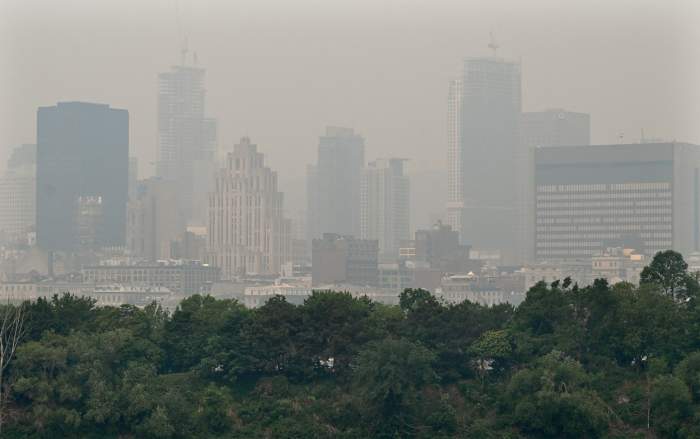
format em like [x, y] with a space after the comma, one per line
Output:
[640, 196]
[248, 233]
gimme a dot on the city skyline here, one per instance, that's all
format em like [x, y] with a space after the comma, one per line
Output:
[237, 76]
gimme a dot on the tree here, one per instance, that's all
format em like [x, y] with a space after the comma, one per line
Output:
[389, 376]
[669, 271]
[12, 330]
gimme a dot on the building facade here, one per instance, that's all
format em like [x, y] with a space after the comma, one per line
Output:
[485, 118]
[340, 259]
[181, 277]
[151, 227]
[248, 233]
[554, 127]
[18, 195]
[334, 196]
[186, 141]
[384, 205]
[640, 196]
[455, 182]
[82, 156]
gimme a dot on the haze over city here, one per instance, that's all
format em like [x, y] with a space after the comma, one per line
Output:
[350, 219]
[281, 71]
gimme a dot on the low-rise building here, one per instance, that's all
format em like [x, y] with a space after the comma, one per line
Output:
[104, 294]
[179, 276]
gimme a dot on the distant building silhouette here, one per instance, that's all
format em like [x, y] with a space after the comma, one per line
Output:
[18, 195]
[248, 233]
[385, 201]
[186, 141]
[484, 110]
[150, 224]
[553, 127]
[334, 185]
[340, 259]
[82, 176]
[640, 196]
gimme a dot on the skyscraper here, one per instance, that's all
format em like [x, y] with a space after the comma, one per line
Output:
[553, 127]
[489, 114]
[248, 233]
[385, 205]
[455, 182]
[335, 196]
[186, 140]
[18, 194]
[82, 175]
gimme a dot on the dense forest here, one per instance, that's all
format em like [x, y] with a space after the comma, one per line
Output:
[571, 361]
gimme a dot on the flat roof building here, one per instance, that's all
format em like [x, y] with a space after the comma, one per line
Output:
[82, 171]
[640, 196]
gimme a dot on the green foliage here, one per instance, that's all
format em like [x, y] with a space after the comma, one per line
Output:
[595, 361]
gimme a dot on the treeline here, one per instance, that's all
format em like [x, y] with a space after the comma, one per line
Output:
[570, 362]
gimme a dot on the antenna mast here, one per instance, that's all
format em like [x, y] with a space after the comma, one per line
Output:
[492, 44]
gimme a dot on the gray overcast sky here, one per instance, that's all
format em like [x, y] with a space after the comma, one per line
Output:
[280, 70]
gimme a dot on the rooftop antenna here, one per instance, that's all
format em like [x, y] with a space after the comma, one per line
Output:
[181, 33]
[183, 52]
[492, 43]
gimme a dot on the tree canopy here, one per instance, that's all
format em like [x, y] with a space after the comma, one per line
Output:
[597, 361]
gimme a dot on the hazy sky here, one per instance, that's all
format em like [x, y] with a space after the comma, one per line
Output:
[279, 71]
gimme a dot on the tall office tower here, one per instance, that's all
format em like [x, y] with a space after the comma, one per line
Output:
[385, 205]
[640, 196]
[150, 228]
[82, 175]
[553, 127]
[490, 109]
[248, 233]
[18, 195]
[455, 183]
[186, 140]
[334, 195]
[312, 214]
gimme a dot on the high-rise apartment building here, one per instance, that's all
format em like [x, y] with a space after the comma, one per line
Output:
[248, 233]
[82, 175]
[18, 195]
[640, 196]
[334, 196]
[150, 225]
[553, 127]
[186, 140]
[385, 205]
[485, 117]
